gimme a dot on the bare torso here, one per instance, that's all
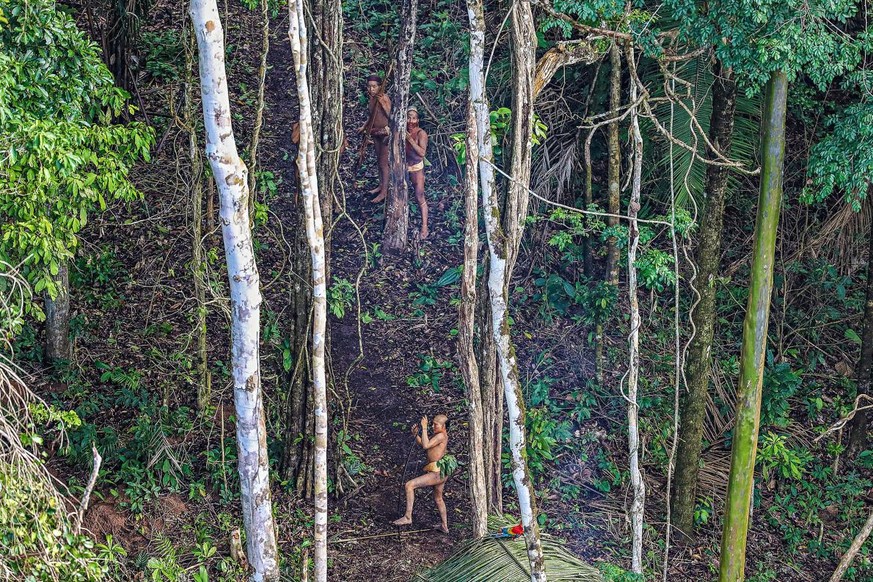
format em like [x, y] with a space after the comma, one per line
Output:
[438, 451]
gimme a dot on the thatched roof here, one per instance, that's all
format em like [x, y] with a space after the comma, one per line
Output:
[505, 560]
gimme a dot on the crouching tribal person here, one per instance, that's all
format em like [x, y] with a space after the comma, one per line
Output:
[436, 472]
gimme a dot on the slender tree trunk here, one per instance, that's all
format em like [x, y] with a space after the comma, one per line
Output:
[466, 327]
[325, 74]
[859, 540]
[198, 264]
[492, 396]
[230, 177]
[589, 198]
[259, 106]
[754, 347]
[397, 206]
[326, 86]
[724, 100]
[614, 201]
[524, 43]
[857, 440]
[57, 318]
[315, 235]
[636, 476]
[500, 250]
[298, 454]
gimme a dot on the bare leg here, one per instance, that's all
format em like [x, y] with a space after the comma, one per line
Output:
[441, 505]
[417, 180]
[384, 167]
[426, 480]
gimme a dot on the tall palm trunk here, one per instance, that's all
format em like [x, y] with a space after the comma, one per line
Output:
[754, 347]
[724, 101]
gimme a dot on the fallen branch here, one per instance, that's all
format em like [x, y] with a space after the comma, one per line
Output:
[92, 480]
[853, 549]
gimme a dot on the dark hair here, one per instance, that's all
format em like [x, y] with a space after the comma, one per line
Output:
[376, 78]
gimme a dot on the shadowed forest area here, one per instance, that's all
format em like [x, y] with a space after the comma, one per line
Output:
[587, 281]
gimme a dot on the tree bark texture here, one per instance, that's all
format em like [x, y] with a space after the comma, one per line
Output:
[703, 316]
[198, 263]
[561, 55]
[857, 440]
[524, 43]
[259, 105]
[326, 87]
[614, 169]
[397, 205]
[298, 453]
[315, 234]
[466, 328]
[57, 318]
[492, 395]
[754, 347]
[636, 476]
[231, 178]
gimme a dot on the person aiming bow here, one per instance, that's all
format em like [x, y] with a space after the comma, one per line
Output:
[436, 472]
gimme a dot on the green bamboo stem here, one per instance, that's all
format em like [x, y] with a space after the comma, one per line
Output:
[753, 351]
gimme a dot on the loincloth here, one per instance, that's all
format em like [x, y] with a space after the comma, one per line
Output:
[431, 468]
[415, 167]
[382, 132]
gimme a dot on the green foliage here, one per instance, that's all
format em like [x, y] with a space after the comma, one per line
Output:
[592, 13]
[768, 35]
[775, 455]
[430, 372]
[843, 159]
[445, 75]
[780, 385]
[612, 573]
[340, 297]
[800, 506]
[163, 54]
[447, 466]
[61, 157]
[38, 542]
[689, 172]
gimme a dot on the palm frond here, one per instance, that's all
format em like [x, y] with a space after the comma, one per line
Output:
[494, 560]
[688, 171]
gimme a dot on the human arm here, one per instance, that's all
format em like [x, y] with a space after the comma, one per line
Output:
[418, 143]
[385, 103]
[426, 442]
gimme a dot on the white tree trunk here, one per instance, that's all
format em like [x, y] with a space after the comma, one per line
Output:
[499, 246]
[639, 487]
[231, 178]
[315, 236]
